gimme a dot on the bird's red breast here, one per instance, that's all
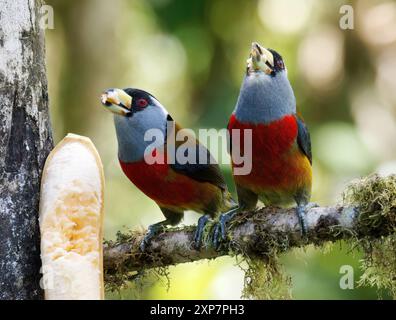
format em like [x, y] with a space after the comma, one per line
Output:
[169, 188]
[277, 162]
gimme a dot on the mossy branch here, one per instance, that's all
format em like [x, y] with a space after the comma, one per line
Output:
[369, 212]
[253, 233]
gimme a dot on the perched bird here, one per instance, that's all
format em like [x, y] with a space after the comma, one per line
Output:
[281, 156]
[196, 185]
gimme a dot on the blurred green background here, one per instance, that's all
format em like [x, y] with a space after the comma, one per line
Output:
[191, 55]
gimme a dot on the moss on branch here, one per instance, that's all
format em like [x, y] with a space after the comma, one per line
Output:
[366, 218]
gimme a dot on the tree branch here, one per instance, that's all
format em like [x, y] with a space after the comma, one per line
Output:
[252, 233]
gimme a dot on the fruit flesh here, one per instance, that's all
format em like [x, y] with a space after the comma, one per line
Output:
[71, 221]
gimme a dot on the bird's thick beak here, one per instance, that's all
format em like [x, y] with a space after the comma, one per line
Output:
[260, 59]
[117, 101]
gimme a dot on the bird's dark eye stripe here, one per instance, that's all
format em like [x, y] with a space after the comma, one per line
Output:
[268, 64]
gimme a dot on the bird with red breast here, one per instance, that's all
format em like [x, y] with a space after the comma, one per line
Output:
[281, 158]
[174, 184]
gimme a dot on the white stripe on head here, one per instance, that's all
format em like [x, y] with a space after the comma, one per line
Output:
[158, 104]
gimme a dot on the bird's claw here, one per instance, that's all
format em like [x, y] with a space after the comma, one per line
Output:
[199, 231]
[151, 232]
[145, 242]
[220, 229]
[301, 211]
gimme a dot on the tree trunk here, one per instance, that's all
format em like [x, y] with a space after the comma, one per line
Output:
[25, 141]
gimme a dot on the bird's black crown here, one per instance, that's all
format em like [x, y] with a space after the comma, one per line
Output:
[279, 65]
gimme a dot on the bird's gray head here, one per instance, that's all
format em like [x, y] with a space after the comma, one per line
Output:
[266, 94]
[135, 113]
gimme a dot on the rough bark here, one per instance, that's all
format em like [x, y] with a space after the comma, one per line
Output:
[253, 234]
[25, 141]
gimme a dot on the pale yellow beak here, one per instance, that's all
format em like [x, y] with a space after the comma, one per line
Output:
[117, 101]
[260, 59]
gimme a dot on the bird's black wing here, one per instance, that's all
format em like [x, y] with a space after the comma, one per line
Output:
[203, 172]
[304, 139]
[203, 169]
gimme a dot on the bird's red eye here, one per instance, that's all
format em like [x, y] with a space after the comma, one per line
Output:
[141, 103]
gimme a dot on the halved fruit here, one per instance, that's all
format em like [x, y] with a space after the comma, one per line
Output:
[71, 221]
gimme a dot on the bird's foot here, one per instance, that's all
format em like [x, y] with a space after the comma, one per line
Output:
[151, 232]
[220, 230]
[301, 212]
[202, 221]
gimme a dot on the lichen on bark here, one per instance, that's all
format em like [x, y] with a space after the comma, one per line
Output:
[25, 141]
[375, 197]
[366, 218]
